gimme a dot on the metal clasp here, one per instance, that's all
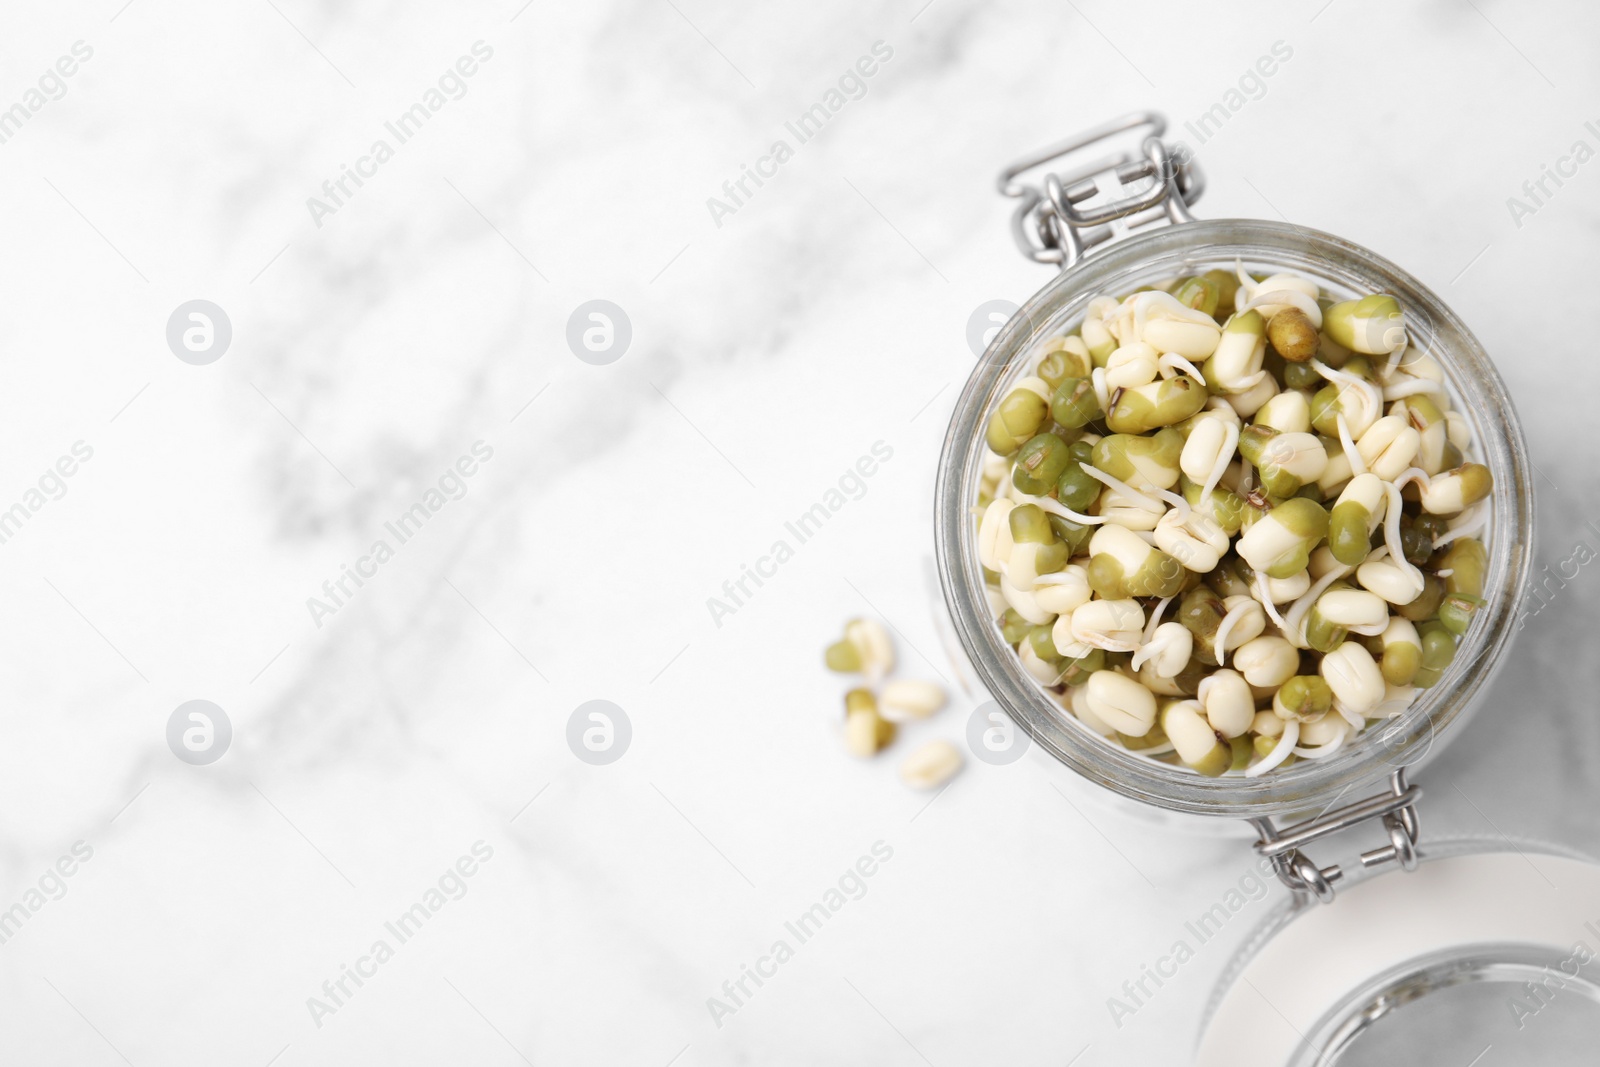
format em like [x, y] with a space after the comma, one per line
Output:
[1049, 225]
[1397, 809]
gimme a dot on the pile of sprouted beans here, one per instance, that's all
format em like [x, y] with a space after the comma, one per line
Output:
[1230, 523]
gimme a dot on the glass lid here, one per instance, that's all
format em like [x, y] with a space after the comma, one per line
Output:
[1488, 953]
[1531, 1005]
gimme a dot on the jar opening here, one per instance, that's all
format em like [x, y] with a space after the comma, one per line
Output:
[1450, 1007]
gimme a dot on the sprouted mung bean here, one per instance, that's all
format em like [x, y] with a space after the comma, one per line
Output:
[931, 765]
[866, 733]
[872, 718]
[865, 647]
[1232, 522]
[907, 698]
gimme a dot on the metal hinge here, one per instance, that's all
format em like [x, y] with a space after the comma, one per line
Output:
[1052, 227]
[1397, 809]
[1049, 225]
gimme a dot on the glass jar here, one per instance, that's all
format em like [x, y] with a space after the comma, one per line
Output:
[1179, 247]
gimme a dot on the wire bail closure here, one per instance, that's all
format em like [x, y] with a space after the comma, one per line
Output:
[1050, 226]
[1397, 809]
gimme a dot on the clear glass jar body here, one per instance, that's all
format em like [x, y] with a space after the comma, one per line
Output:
[1344, 269]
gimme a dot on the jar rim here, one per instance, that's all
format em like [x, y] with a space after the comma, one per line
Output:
[1472, 378]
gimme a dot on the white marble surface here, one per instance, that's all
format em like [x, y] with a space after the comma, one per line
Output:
[768, 354]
